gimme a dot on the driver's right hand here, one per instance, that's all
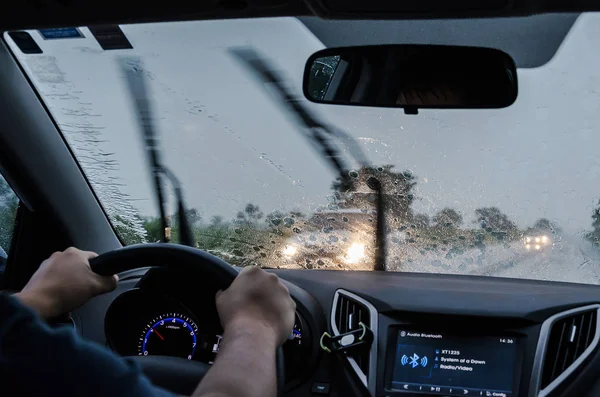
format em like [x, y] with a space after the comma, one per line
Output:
[257, 299]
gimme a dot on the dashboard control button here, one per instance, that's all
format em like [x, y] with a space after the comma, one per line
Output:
[320, 388]
[461, 391]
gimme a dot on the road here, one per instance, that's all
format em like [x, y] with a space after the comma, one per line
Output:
[568, 259]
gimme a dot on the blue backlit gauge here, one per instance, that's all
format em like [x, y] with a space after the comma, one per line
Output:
[170, 334]
[295, 337]
[297, 349]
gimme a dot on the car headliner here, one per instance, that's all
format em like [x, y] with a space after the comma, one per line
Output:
[27, 14]
[531, 41]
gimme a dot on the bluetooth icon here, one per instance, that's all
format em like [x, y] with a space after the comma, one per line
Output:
[413, 360]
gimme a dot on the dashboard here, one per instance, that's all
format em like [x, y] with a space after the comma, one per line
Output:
[433, 335]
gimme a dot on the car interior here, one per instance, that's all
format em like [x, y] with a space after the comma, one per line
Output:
[457, 316]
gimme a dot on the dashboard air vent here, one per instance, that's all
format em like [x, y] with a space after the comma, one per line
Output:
[348, 312]
[569, 338]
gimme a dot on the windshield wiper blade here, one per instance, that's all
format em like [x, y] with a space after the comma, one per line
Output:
[260, 67]
[136, 83]
[316, 131]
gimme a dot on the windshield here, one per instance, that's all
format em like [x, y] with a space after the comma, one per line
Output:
[511, 192]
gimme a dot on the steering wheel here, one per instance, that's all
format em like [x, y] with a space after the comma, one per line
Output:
[173, 373]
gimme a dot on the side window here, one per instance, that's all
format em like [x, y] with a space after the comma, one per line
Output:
[8, 213]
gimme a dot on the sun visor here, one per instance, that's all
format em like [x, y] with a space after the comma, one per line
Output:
[530, 41]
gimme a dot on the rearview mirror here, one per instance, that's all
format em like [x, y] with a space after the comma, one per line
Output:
[412, 77]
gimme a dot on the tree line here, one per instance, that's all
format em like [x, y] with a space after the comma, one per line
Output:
[347, 192]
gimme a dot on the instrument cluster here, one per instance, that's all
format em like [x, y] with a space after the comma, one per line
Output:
[146, 323]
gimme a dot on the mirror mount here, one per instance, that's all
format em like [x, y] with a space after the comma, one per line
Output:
[411, 110]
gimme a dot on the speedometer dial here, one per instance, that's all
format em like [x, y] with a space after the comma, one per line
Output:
[170, 334]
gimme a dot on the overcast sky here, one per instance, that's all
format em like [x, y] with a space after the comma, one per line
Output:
[230, 143]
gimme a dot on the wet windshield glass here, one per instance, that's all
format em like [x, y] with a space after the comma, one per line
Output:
[510, 192]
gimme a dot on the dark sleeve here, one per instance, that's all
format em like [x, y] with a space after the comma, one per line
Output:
[36, 360]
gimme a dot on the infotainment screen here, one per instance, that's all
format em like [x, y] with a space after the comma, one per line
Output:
[435, 363]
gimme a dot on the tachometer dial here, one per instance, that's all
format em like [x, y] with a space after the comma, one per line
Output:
[297, 350]
[170, 334]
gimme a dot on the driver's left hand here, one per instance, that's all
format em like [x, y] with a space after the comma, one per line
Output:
[64, 282]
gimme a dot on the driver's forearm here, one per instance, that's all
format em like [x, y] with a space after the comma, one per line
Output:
[42, 305]
[245, 365]
[29, 349]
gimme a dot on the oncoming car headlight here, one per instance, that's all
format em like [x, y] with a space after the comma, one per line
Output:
[289, 250]
[355, 253]
[536, 243]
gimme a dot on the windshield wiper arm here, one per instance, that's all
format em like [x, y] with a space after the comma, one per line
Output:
[381, 251]
[136, 83]
[260, 68]
[186, 235]
[318, 130]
